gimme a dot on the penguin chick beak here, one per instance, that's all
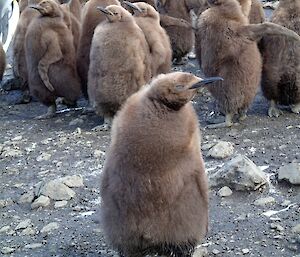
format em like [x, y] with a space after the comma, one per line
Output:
[101, 9]
[206, 81]
[134, 7]
[36, 7]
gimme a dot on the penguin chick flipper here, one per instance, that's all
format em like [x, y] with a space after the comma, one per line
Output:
[50, 113]
[167, 21]
[255, 32]
[52, 55]
[228, 123]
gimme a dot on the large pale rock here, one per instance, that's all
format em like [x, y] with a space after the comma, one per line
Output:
[41, 201]
[24, 224]
[57, 190]
[73, 181]
[264, 201]
[239, 173]
[51, 226]
[291, 173]
[221, 150]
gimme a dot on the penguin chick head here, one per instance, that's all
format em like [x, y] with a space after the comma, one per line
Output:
[174, 90]
[49, 8]
[115, 13]
[141, 9]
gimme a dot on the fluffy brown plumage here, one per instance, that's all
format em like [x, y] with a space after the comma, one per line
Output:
[226, 46]
[119, 63]
[281, 55]
[90, 19]
[147, 18]
[50, 57]
[154, 187]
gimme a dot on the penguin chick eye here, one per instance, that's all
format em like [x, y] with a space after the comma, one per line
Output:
[179, 88]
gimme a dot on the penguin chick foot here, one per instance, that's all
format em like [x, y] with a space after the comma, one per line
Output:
[180, 61]
[50, 113]
[242, 116]
[228, 123]
[106, 126]
[295, 108]
[274, 112]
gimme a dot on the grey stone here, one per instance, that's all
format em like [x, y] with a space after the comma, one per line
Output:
[57, 190]
[60, 204]
[296, 229]
[73, 181]
[33, 246]
[6, 203]
[76, 122]
[49, 227]
[221, 150]
[239, 173]
[290, 172]
[41, 201]
[264, 201]
[245, 251]
[4, 229]
[7, 250]
[225, 191]
[24, 224]
[200, 252]
[44, 157]
[26, 198]
[28, 232]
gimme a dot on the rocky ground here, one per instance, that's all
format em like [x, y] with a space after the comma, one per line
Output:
[50, 173]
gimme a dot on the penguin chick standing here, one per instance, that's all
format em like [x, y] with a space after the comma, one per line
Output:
[50, 58]
[281, 61]
[154, 187]
[147, 18]
[90, 19]
[226, 46]
[119, 62]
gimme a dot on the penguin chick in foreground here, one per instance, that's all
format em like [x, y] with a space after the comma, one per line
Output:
[50, 58]
[147, 18]
[154, 187]
[120, 62]
[281, 61]
[91, 17]
[226, 46]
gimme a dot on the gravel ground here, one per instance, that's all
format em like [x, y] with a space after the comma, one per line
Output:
[33, 151]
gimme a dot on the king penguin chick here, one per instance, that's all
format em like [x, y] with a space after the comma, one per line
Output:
[18, 49]
[90, 19]
[226, 46]
[50, 58]
[147, 18]
[119, 62]
[182, 38]
[281, 61]
[154, 187]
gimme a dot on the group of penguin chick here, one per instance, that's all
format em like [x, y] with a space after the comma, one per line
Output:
[154, 188]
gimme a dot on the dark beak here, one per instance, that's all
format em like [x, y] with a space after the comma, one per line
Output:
[103, 10]
[36, 7]
[205, 82]
[131, 5]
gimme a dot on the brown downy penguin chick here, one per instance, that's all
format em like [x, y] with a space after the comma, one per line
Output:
[18, 49]
[2, 61]
[226, 46]
[90, 19]
[120, 62]
[74, 7]
[182, 38]
[72, 21]
[50, 58]
[281, 61]
[154, 187]
[147, 18]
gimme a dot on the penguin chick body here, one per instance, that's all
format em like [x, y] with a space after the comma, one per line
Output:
[281, 61]
[119, 62]
[154, 187]
[147, 18]
[50, 58]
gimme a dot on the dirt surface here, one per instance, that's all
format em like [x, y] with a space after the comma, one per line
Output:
[32, 151]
